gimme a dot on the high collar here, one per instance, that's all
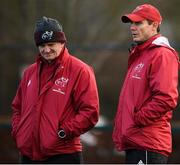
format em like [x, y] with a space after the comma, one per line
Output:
[146, 43]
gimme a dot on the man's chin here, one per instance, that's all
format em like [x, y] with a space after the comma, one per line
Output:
[138, 42]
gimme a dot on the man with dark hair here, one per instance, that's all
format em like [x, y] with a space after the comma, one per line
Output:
[56, 102]
[149, 95]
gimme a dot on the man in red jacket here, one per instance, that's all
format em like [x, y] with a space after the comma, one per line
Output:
[149, 95]
[56, 102]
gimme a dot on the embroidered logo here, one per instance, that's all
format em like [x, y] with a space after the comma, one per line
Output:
[137, 70]
[138, 8]
[59, 90]
[62, 82]
[47, 35]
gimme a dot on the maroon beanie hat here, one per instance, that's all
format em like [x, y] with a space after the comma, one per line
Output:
[48, 30]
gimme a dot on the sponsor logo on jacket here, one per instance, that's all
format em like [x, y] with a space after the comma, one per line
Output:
[61, 83]
[136, 73]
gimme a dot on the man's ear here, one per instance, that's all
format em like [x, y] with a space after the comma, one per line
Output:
[155, 25]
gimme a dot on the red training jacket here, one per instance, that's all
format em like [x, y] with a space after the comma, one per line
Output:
[68, 101]
[147, 98]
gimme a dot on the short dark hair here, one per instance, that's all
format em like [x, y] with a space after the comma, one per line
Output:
[150, 22]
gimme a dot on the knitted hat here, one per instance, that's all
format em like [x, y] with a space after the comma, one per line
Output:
[48, 30]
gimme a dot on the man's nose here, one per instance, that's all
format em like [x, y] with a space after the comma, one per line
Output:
[133, 26]
[46, 49]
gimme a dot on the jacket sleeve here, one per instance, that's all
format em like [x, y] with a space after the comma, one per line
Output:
[16, 107]
[163, 82]
[86, 103]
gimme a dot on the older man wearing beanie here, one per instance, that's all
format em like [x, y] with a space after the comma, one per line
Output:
[149, 94]
[56, 102]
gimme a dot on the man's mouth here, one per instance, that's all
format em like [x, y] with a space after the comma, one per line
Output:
[134, 34]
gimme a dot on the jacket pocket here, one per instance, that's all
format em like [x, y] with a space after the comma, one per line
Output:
[23, 142]
[133, 137]
[52, 145]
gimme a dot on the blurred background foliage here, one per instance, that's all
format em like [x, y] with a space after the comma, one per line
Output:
[94, 33]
